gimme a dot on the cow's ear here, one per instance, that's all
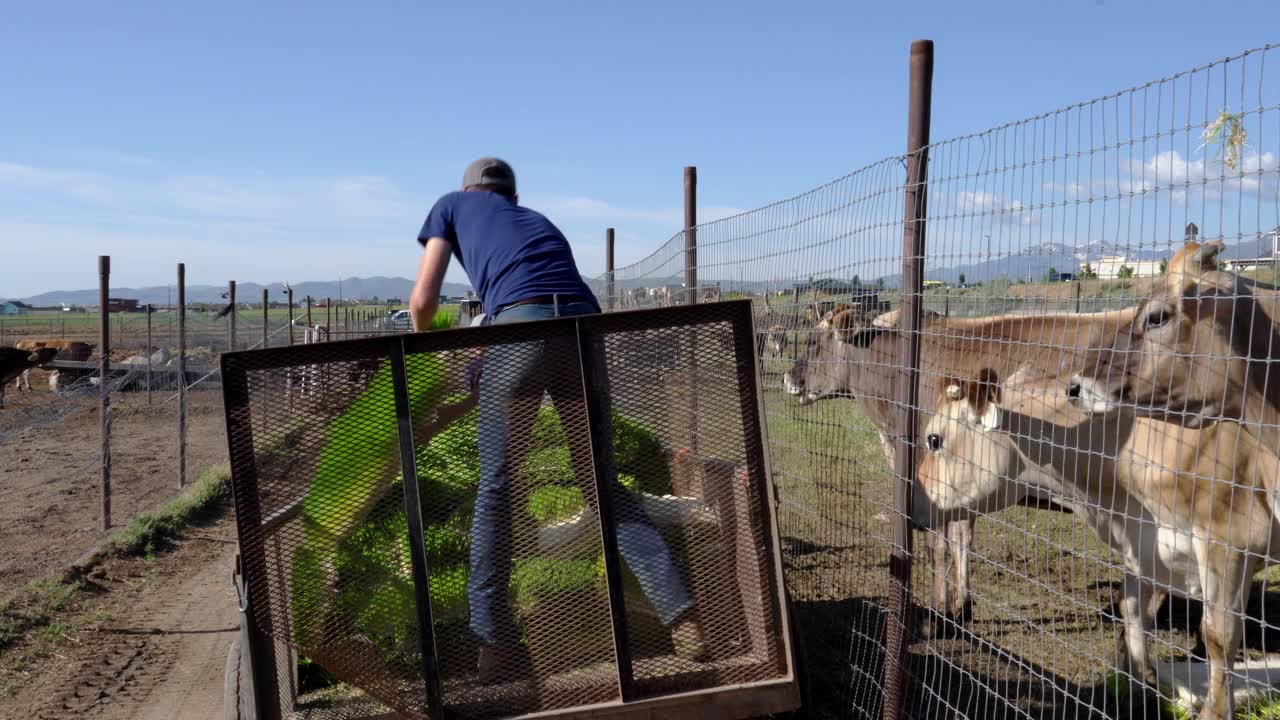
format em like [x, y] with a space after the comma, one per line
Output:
[983, 394]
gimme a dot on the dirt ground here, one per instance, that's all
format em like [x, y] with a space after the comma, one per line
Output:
[50, 476]
[147, 641]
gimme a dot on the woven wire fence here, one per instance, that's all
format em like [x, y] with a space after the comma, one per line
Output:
[1096, 403]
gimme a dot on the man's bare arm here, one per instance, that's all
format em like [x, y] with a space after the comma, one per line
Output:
[425, 299]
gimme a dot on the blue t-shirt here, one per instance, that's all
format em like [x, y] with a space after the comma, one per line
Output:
[508, 251]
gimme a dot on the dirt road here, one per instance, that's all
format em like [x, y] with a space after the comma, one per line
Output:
[150, 642]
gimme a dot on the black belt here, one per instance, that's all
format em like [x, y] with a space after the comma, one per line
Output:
[542, 300]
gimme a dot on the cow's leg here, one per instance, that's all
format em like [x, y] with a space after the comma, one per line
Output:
[960, 541]
[1136, 613]
[1224, 575]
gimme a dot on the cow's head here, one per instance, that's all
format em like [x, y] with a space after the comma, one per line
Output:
[1196, 348]
[42, 356]
[968, 464]
[824, 370]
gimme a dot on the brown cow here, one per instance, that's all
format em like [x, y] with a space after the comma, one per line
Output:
[849, 358]
[67, 350]
[1188, 510]
[14, 362]
[1204, 347]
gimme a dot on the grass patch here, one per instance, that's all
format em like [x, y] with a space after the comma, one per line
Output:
[149, 532]
[33, 606]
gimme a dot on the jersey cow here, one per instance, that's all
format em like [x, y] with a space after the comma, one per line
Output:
[847, 357]
[1189, 510]
[1204, 347]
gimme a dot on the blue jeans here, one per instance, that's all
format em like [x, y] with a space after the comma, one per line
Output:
[512, 381]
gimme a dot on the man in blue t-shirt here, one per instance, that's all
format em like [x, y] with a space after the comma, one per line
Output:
[523, 269]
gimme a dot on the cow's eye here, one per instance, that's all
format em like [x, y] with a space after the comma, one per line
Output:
[1157, 318]
[935, 442]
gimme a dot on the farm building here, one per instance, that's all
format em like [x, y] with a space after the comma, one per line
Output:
[122, 305]
[13, 307]
[1108, 267]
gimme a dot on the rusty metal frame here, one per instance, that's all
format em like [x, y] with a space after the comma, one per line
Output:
[777, 694]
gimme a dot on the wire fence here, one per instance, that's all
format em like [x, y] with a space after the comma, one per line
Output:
[1098, 338]
[161, 440]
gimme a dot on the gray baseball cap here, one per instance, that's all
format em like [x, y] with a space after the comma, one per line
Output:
[490, 172]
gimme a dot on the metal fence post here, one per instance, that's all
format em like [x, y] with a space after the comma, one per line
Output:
[306, 336]
[608, 268]
[104, 387]
[328, 314]
[289, 292]
[1078, 293]
[231, 298]
[266, 318]
[913, 242]
[691, 234]
[182, 375]
[150, 350]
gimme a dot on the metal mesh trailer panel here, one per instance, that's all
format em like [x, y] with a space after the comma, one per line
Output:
[569, 491]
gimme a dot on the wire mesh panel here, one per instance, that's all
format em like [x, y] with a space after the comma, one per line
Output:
[562, 533]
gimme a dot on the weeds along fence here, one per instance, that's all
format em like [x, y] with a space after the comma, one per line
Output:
[1030, 230]
[65, 474]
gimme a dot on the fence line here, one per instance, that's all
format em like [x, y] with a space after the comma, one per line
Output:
[1034, 227]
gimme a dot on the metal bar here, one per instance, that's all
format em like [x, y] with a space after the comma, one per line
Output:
[307, 337]
[608, 267]
[417, 546]
[266, 318]
[182, 375]
[691, 296]
[759, 465]
[150, 350]
[328, 323]
[289, 292]
[104, 388]
[691, 234]
[250, 536]
[596, 426]
[908, 391]
[231, 298]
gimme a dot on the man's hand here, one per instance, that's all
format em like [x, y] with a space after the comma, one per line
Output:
[426, 291]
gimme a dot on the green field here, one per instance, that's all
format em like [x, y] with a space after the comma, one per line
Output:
[203, 328]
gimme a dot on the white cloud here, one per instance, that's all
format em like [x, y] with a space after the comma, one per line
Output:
[980, 202]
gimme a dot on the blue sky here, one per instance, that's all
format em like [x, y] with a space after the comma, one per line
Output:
[305, 141]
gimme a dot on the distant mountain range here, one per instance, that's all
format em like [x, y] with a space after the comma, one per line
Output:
[351, 288]
[1032, 263]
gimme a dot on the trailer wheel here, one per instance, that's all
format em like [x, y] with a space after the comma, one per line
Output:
[237, 693]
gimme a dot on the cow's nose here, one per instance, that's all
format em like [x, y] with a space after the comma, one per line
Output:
[1073, 388]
